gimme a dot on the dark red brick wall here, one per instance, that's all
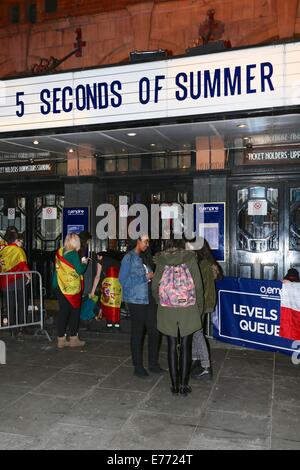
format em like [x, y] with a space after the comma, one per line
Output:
[114, 28]
[66, 8]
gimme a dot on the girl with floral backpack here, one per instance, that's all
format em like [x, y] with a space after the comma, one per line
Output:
[178, 290]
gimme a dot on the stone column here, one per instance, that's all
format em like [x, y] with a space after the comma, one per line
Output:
[209, 184]
[210, 153]
[202, 153]
[86, 192]
[81, 161]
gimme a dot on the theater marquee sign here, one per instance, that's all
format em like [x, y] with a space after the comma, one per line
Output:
[234, 80]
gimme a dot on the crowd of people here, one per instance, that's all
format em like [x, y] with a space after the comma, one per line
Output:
[148, 285]
[169, 294]
[166, 294]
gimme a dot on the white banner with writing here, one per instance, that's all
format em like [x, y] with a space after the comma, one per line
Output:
[234, 80]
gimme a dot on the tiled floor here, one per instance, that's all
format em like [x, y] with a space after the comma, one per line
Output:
[89, 399]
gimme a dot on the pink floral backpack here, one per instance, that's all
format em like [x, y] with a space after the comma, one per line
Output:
[176, 288]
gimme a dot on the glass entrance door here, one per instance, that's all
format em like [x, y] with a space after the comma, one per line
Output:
[42, 236]
[292, 224]
[265, 230]
[257, 232]
[46, 236]
[147, 197]
[12, 213]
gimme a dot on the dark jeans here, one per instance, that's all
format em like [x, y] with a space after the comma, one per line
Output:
[143, 317]
[68, 316]
[180, 359]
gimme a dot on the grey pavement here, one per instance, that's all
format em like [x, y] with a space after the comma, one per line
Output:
[89, 399]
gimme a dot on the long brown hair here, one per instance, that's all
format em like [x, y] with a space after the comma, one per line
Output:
[205, 253]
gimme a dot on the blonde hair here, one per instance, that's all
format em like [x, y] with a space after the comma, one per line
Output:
[72, 242]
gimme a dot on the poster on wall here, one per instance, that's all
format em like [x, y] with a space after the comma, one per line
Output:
[49, 213]
[75, 220]
[11, 213]
[248, 314]
[210, 224]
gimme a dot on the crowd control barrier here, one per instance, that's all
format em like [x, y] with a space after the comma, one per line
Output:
[21, 297]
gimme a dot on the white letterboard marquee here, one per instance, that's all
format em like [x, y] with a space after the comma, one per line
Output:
[254, 78]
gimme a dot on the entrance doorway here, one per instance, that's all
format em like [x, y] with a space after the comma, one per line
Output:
[265, 229]
[42, 237]
[160, 193]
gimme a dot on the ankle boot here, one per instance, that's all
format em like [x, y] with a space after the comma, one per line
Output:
[62, 342]
[184, 390]
[75, 342]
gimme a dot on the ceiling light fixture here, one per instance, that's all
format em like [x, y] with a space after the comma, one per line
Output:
[152, 145]
[131, 134]
[70, 150]
[35, 142]
[241, 126]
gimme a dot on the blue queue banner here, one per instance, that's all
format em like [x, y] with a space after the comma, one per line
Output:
[75, 220]
[248, 314]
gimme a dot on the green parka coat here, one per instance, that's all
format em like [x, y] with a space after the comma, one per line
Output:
[186, 319]
[209, 286]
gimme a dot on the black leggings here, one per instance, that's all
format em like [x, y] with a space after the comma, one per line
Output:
[180, 358]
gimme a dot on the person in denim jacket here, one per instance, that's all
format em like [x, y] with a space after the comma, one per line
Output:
[134, 279]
